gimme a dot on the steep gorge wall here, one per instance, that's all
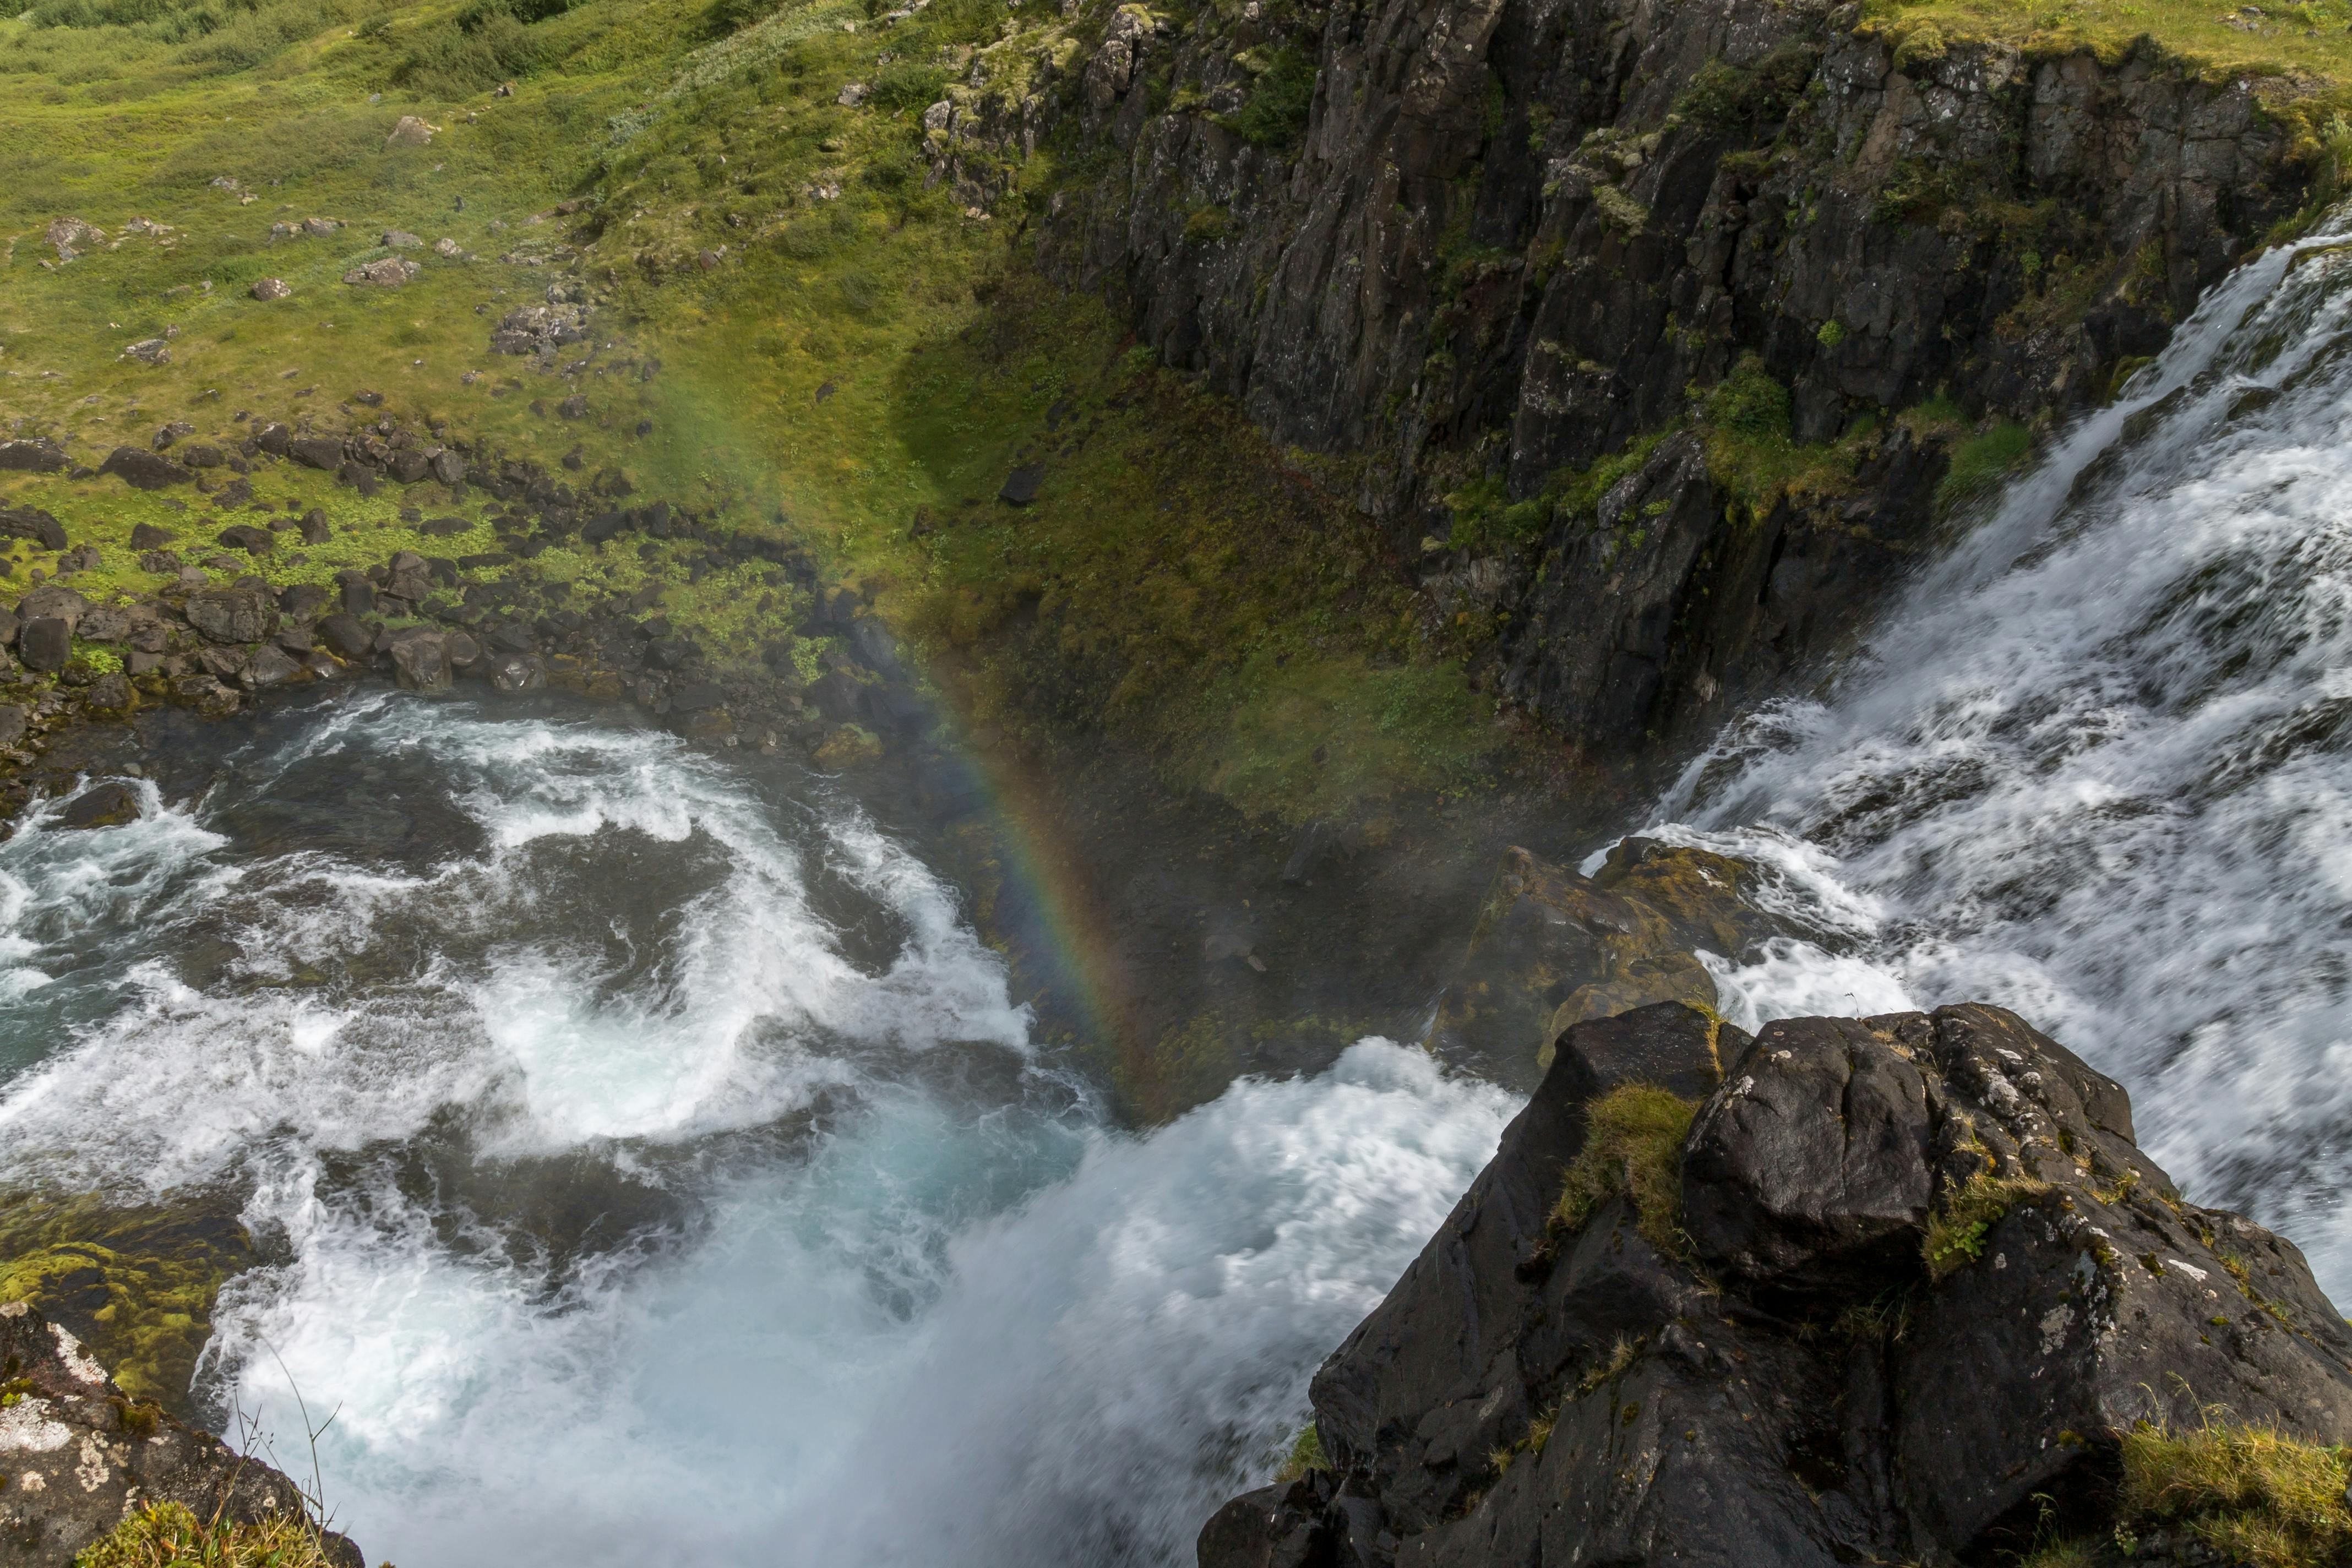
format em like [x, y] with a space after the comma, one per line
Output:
[1514, 239]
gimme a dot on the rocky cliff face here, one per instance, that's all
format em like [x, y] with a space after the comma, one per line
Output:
[1487, 244]
[1897, 1293]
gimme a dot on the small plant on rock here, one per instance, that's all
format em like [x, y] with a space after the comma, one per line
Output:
[1634, 1145]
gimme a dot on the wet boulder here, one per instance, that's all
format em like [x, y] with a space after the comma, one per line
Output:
[516, 673]
[108, 803]
[269, 666]
[420, 660]
[344, 637]
[1809, 1173]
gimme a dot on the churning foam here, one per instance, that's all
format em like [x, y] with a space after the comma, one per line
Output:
[845, 1310]
[2094, 767]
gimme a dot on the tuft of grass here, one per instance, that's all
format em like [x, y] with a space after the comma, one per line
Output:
[1634, 1145]
[167, 1535]
[1305, 1455]
[1957, 1230]
[1983, 460]
[2251, 1494]
[1276, 112]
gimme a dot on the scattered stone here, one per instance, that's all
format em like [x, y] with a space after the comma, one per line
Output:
[851, 95]
[448, 247]
[207, 696]
[175, 431]
[13, 722]
[271, 289]
[245, 536]
[574, 407]
[31, 522]
[45, 642]
[69, 236]
[401, 239]
[144, 470]
[200, 455]
[149, 350]
[80, 558]
[389, 273]
[314, 527]
[536, 329]
[320, 227]
[242, 614]
[103, 623]
[410, 132]
[35, 457]
[316, 452]
[1021, 485]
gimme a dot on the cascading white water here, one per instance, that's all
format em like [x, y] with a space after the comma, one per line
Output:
[662, 1174]
[2096, 767]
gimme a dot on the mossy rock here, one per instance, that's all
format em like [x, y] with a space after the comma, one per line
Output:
[136, 1283]
[1553, 948]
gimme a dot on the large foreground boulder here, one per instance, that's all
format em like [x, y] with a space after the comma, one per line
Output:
[80, 1455]
[1896, 1289]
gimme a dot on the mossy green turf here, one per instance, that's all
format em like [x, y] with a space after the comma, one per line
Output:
[848, 362]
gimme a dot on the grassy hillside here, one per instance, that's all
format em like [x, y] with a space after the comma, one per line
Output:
[793, 328]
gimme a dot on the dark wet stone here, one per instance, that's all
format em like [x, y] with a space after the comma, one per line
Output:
[107, 804]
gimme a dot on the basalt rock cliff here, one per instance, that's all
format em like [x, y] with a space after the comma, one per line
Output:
[1919, 1283]
[1654, 327]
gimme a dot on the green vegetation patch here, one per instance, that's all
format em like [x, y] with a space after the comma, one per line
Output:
[167, 1535]
[1957, 1228]
[1305, 1455]
[137, 1283]
[1633, 1146]
[2251, 1494]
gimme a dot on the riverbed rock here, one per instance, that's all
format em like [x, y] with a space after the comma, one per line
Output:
[516, 672]
[108, 804]
[1534, 1392]
[233, 614]
[1552, 948]
[80, 1455]
[345, 636]
[420, 660]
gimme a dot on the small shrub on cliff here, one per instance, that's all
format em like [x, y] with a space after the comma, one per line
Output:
[2251, 1494]
[1276, 114]
[1305, 1455]
[166, 1535]
[1634, 1145]
[1957, 1230]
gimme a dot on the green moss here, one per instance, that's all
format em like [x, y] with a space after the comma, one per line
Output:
[136, 1283]
[1832, 334]
[1484, 518]
[1633, 1146]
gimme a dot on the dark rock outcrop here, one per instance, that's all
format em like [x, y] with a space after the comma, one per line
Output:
[1490, 242]
[80, 1455]
[1792, 1383]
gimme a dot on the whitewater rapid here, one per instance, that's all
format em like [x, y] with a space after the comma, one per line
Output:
[656, 1170]
[2094, 766]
